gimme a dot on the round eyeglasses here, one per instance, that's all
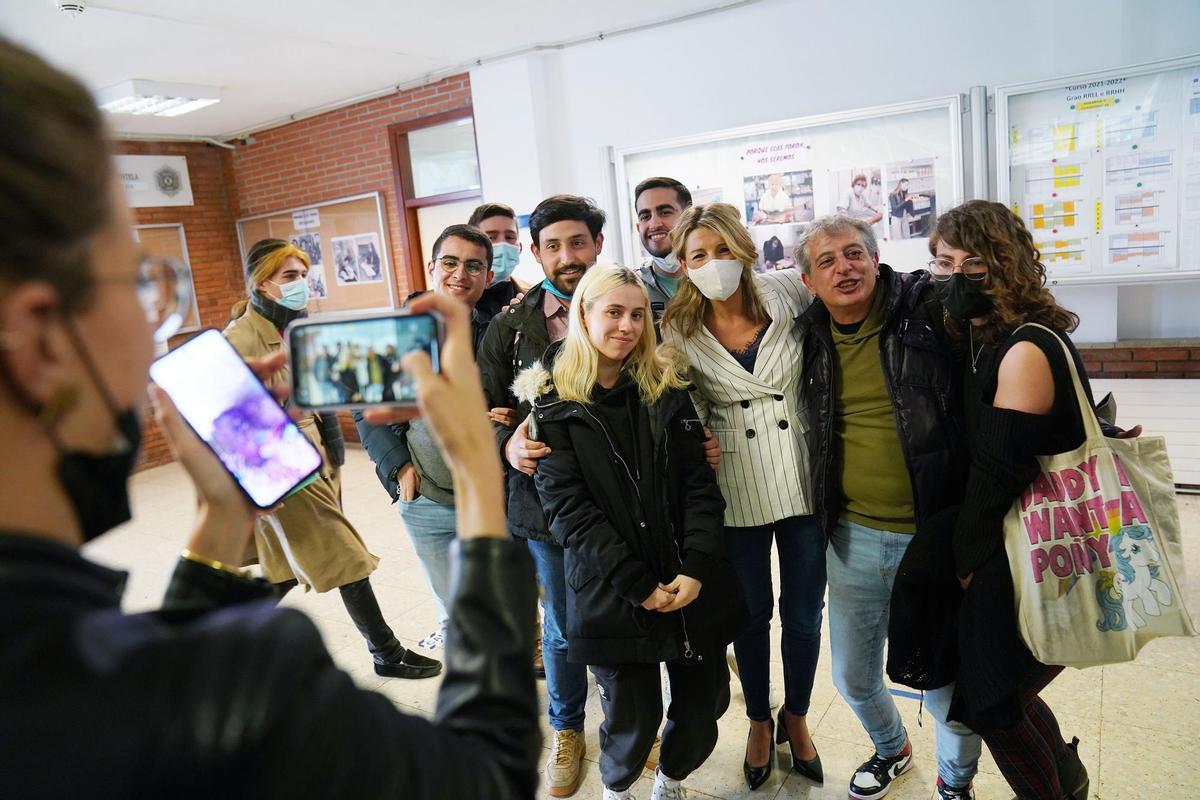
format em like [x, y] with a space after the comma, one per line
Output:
[942, 269]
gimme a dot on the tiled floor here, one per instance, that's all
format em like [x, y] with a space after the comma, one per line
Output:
[1138, 723]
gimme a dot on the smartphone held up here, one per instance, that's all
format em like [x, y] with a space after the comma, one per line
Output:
[231, 411]
[355, 362]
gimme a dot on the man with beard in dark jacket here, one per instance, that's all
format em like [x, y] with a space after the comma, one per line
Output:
[567, 239]
[889, 454]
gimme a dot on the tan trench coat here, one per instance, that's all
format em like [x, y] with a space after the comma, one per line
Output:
[308, 538]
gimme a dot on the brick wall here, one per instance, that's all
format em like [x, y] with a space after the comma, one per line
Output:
[208, 226]
[338, 154]
[341, 153]
[1170, 361]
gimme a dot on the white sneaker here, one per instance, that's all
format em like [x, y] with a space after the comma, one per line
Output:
[613, 794]
[667, 788]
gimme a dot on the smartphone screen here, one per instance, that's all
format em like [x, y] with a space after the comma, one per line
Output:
[351, 363]
[235, 415]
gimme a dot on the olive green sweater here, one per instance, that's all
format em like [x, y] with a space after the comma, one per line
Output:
[875, 484]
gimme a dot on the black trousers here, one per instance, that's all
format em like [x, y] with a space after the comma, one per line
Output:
[631, 698]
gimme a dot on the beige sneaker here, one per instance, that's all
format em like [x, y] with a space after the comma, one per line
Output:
[564, 768]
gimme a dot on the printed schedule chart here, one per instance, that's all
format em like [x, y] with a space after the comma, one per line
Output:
[1105, 171]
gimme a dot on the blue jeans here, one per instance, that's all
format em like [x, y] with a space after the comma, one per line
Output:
[566, 683]
[801, 598]
[861, 563]
[431, 526]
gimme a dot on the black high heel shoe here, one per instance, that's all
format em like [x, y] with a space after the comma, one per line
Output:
[757, 776]
[808, 767]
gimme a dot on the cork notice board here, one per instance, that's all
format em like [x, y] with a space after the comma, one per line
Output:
[168, 240]
[346, 242]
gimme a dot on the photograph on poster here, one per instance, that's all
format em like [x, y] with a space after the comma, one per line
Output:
[370, 269]
[912, 199]
[345, 260]
[858, 191]
[775, 244]
[310, 243]
[702, 197]
[779, 197]
[317, 290]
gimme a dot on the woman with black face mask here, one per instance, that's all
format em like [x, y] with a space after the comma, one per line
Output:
[220, 693]
[1019, 402]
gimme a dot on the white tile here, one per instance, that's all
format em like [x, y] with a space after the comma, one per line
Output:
[1137, 723]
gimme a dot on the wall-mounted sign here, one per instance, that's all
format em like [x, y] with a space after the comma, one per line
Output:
[308, 218]
[155, 180]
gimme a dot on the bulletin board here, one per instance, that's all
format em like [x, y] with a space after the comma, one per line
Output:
[170, 241]
[1105, 170]
[347, 245]
[785, 174]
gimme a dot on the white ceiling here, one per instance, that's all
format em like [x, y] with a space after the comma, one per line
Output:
[274, 58]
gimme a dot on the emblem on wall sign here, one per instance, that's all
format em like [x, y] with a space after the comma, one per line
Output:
[169, 181]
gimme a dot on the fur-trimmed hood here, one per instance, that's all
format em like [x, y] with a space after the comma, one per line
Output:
[533, 383]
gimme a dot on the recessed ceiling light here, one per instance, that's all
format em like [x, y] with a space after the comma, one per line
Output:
[156, 98]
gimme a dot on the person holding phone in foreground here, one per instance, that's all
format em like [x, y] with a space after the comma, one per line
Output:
[221, 693]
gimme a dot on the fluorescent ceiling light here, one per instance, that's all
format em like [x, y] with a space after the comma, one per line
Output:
[156, 98]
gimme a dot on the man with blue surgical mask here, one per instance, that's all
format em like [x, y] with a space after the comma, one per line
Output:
[499, 222]
[658, 202]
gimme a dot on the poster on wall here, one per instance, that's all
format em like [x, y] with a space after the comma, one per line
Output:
[776, 244]
[345, 260]
[347, 246]
[779, 197]
[783, 175]
[911, 199]
[858, 191]
[310, 243]
[170, 240]
[367, 249]
[151, 181]
[1105, 171]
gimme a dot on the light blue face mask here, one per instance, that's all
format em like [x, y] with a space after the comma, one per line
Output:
[295, 294]
[505, 257]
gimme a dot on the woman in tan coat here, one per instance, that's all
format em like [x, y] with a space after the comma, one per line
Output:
[308, 539]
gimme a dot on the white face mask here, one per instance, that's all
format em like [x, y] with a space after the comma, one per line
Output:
[667, 265]
[718, 279]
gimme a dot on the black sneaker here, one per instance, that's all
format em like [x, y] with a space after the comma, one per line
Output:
[410, 665]
[875, 776]
[947, 792]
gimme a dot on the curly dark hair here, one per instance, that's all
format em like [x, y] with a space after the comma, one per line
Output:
[1016, 281]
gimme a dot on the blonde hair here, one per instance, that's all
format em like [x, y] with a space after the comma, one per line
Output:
[654, 369]
[265, 258]
[685, 311]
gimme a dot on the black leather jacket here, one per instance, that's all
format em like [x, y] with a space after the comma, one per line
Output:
[222, 694]
[515, 339]
[921, 376]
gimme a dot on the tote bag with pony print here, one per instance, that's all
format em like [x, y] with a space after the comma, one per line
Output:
[1093, 545]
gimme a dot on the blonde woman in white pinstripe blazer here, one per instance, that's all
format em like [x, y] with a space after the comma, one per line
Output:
[740, 337]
